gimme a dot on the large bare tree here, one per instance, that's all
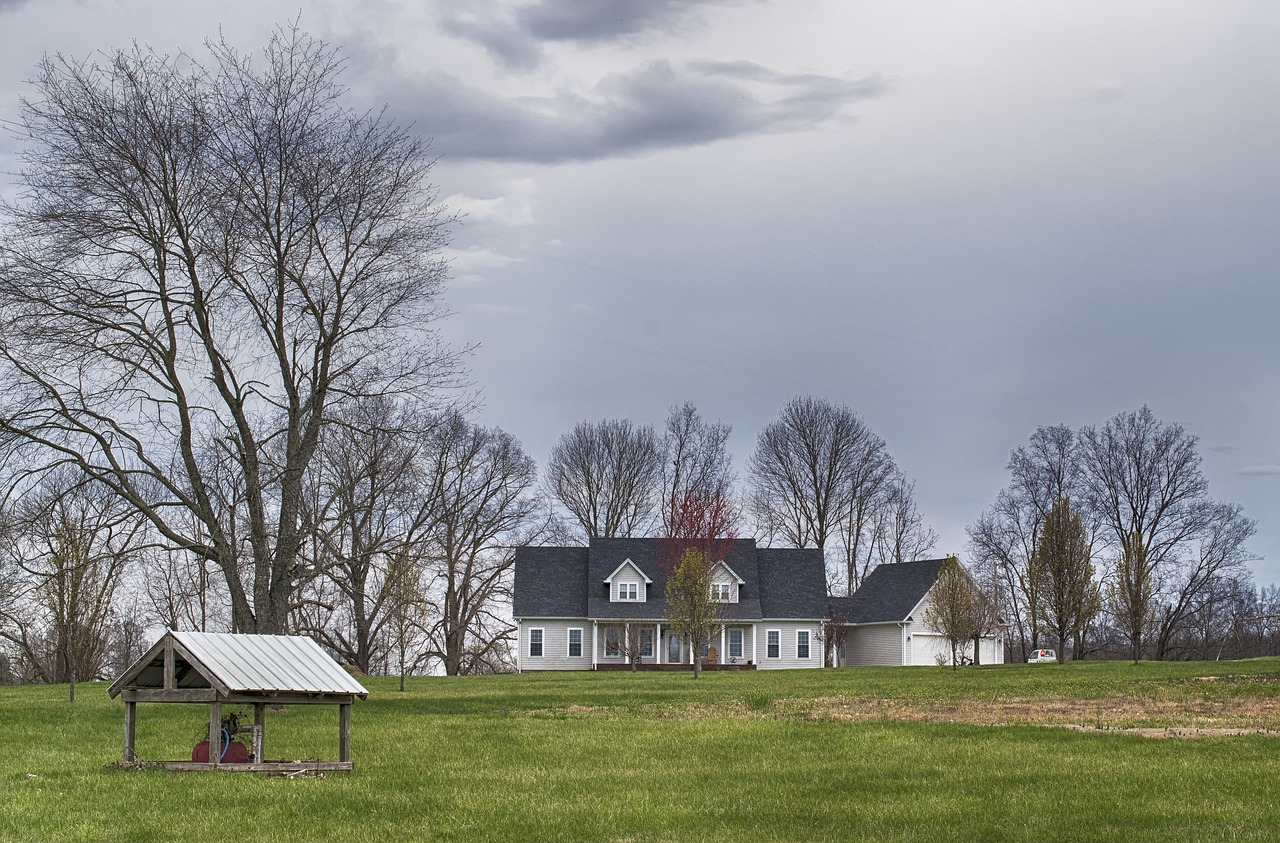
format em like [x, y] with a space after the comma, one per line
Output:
[1142, 481]
[696, 463]
[204, 263]
[481, 490]
[607, 475]
[819, 475]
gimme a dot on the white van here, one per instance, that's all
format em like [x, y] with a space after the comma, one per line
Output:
[1043, 656]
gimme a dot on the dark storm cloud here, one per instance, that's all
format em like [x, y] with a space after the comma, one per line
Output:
[659, 105]
[515, 39]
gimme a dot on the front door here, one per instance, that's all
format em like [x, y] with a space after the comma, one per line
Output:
[674, 650]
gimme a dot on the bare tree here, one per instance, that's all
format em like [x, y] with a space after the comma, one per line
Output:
[1142, 480]
[1200, 580]
[607, 475]
[695, 460]
[367, 505]
[1004, 539]
[205, 264]
[817, 473]
[481, 490]
[1063, 567]
[72, 543]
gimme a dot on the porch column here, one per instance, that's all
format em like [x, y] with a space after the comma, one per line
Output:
[755, 661]
[721, 653]
[594, 635]
[657, 642]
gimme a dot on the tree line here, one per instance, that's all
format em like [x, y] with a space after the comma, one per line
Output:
[226, 405]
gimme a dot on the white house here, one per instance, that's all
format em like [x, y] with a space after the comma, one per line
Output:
[576, 608]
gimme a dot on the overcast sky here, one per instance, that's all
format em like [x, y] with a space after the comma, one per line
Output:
[962, 220]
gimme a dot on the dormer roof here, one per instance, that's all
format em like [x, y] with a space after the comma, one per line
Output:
[624, 564]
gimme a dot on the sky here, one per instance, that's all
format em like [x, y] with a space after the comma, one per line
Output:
[961, 220]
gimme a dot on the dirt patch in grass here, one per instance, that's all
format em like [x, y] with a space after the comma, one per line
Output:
[1151, 718]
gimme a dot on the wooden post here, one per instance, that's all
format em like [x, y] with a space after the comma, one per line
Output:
[344, 732]
[259, 731]
[130, 729]
[215, 732]
[169, 682]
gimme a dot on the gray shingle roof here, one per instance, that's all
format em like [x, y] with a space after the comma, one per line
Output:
[570, 582]
[888, 593]
[550, 582]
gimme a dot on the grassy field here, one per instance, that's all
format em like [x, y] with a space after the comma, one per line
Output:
[1154, 752]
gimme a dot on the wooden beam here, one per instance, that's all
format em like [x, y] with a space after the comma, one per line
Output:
[130, 728]
[252, 767]
[178, 695]
[215, 732]
[344, 732]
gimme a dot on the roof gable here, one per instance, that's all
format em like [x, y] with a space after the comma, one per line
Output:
[234, 664]
[889, 594]
[625, 563]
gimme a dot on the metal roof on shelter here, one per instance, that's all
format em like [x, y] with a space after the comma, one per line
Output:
[246, 664]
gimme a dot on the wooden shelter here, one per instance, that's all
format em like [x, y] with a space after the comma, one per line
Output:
[224, 670]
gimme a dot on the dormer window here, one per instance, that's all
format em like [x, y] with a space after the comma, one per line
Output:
[627, 583]
[721, 592]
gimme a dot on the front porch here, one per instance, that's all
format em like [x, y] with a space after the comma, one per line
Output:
[668, 666]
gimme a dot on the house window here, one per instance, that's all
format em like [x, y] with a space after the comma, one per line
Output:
[535, 643]
[802, 643]
[735, 643]
[773, 644]
[628, 591]
[646, 643]
[720, 592]
[613, 641]
[575, 643]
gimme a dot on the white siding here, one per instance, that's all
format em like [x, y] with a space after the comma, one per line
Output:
[787, 656]
[874, 644]
[555, 645]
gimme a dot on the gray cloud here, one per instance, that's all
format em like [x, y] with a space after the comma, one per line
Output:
[515, 39]
[659, 105]
[1260, 470]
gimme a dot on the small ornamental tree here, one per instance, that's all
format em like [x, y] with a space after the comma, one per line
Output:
[953, 609]
[1063, 562]
[697, 529]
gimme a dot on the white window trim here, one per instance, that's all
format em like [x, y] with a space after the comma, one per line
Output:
[721, 592]
[627, 592]
[742, 650]
[808, 643]
[621, 633]
[767, 633]
[542, 642]
[568, 644]
[653, 647]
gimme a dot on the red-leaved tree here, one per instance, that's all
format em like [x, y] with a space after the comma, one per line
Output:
[696, 536]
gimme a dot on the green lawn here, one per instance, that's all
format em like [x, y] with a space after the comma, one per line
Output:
[856, 754]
